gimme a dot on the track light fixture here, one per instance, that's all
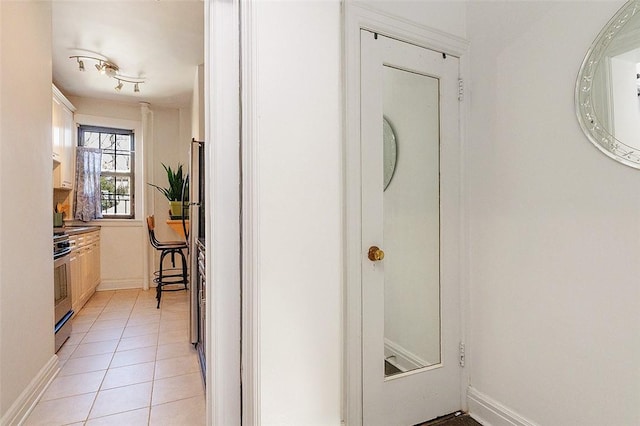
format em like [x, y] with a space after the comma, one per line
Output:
[107, 68]
[111, 70]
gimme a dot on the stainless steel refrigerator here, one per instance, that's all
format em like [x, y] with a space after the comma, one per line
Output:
[195, 233]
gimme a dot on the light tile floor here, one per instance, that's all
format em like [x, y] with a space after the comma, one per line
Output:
[127, 363]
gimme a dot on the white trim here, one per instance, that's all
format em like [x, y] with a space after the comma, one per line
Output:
[222, 222]
[368, 18]
[62, 98]
[405, 359]
[126, 284]
[357, 17]
[465, 297]
[352, 406]
[490, 412]
[24, 404]
[250, 228]
[148, 208]
[139, 148]
[119, 123]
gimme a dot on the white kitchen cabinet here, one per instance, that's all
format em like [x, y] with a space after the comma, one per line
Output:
[91, 263]
[85, 267]
[67, 169]
[62, 140]
[56, 126]
[74, 272]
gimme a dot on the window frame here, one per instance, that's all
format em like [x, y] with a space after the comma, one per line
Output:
[82, 128]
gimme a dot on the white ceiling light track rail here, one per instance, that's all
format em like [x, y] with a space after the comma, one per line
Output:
[110, 69]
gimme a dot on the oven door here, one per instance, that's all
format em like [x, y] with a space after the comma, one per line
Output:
[62, 285]
[62, 297]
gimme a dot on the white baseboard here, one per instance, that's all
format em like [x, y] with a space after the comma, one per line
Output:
[22, 407]
[119, 284]
[490, 412]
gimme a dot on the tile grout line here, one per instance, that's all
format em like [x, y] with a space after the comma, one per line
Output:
[106, 371]
[109, 368]
[153, 377]
[84, 421]
[177, 313]
[69, 357]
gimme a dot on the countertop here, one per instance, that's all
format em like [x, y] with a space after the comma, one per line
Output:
[176, 226]
[74, 230]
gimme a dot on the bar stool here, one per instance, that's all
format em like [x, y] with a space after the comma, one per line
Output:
[168, 276]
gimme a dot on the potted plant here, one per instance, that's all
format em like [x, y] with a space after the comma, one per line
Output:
[178, 185]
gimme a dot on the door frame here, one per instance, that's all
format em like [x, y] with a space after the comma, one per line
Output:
[357, 18]
[222, 223]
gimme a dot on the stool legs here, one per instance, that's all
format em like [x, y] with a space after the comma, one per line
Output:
[164, 277]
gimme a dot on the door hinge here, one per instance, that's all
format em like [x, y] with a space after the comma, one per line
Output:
[462, 354]
[460, 90]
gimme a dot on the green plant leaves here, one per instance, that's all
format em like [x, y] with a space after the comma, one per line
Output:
[176, 182]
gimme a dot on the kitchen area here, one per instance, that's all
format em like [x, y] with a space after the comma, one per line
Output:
[76, 272]
[101, 271]
[160, 106]
[110, 338]
[76, 249]
[113, 253]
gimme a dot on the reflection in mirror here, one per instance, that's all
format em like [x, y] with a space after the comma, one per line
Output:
[390, 152]
[607, 91]
[412, 224]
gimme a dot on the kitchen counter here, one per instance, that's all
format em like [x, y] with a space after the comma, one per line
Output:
[176, 226]
[74, 230]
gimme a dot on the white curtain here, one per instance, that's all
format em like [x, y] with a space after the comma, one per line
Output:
[87, 199]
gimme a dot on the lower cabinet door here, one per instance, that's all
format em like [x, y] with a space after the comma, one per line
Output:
[85, 267]
[76, 286]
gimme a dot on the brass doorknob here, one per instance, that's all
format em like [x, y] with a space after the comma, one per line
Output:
[375, 254]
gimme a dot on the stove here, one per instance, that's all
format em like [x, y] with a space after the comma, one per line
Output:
[61, 288]
[61, 245]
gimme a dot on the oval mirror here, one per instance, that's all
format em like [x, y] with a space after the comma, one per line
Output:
[608, 92]
[390, 151]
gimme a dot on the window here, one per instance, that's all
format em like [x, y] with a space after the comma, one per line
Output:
[117, 171]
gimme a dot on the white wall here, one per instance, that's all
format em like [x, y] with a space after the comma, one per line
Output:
[26, 264]
[552, 228]
[172, 136]
[124, 244]
[553, 225]
[298, 137]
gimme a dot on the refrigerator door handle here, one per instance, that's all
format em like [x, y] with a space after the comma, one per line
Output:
[185, 208]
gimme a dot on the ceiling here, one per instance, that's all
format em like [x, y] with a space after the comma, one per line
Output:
[160, 41]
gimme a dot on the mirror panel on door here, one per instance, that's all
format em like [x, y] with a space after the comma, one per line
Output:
[411, 222]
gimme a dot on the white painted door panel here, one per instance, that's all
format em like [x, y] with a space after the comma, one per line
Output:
[410, 299]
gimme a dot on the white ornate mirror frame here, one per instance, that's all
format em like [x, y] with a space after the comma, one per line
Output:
[589, 97]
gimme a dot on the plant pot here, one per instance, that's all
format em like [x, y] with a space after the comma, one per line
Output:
[176, 208]
[57, 219]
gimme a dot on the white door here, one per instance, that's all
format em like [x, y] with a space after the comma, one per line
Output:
[410, 212]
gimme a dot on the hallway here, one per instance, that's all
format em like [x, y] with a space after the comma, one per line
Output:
[127, 363]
